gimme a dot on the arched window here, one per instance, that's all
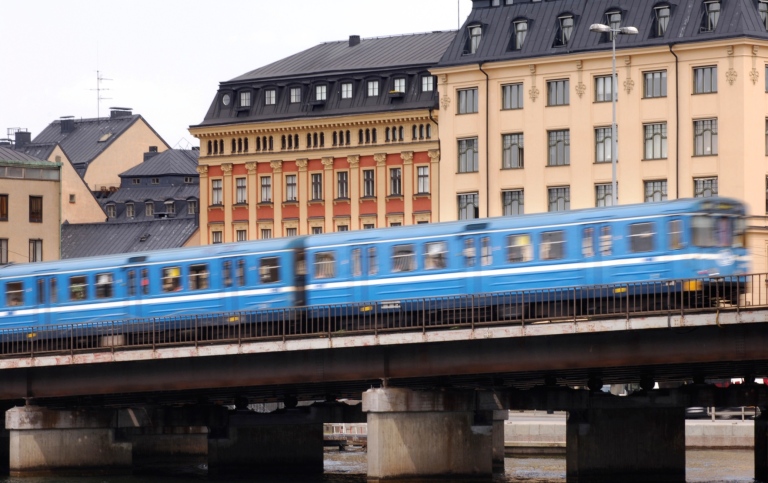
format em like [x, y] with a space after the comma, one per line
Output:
[360, 137]
[373, 135]
[367, 136]
[282, 142]
[386, 135]
[429, 131]
[296, 141]
[335, 138]
[349, 139]
[421, 131]
[221, 146]
[270, 143]
[401, 133]
[322, 139]
[234, 145]
[394, 133]
[245, 145]
[309, 140]
[258, 143]
[264, 144]
[314, 140]
[414, 132]
[210, 148]
[290, 141]
[239, 145]
[215, 147]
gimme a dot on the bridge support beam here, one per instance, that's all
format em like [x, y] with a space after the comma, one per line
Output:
[761, 447]
[497, 443]
[425, 434]
[629, 444]
[253, 443]
[44, 441]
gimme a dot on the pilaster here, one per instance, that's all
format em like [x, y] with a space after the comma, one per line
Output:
[253, 183]
[381, 189]
[205, 189]
[304, 194]
[328, 194]
[354, 191]
[228, 195]
[407, 157]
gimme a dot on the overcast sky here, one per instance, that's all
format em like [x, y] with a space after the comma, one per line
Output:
[165, 58]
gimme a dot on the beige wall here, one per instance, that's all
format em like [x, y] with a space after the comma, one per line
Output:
[84, 208]
[124, 153]
[740, 106]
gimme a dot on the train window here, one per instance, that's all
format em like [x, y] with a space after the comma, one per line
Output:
[52, 294]
[519, 248]
[227, 273]
[675, 230]
[144, 282]
[606, 241]
[269, 270]
[553, 245]
[131, 283]
[641, 237]
[104, 283]
[588, 243]
[325, 265]
[357, 263]
[739, 227]
[485, 251]
[41, 291]
[403, 258]
[435, 255]
[469, 252]
[14, 294]
[373, 266]
[171, 279]
[240, 273]
[77, 288]
[198, 277]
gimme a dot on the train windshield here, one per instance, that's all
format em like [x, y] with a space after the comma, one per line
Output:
[718, 231]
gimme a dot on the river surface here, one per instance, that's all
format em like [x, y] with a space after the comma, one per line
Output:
[711, 466]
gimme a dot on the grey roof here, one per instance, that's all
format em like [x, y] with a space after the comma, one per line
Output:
[11, 156]
[38, 150]
[169, 162]
[161, 193]
[738, 18]
[95, 239]
[370, 54]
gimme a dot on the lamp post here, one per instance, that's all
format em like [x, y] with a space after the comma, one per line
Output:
[605, 29]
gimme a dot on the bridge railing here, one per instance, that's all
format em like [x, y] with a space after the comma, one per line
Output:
[678, 297]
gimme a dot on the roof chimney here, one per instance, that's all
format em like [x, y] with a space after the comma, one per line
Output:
[67, 124]
[354, 40]
[22, 138]
[151, 153]
[119, 112]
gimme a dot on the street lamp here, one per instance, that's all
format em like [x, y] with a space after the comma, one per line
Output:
[605, 29]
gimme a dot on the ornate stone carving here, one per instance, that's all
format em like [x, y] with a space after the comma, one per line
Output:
[252, 167]
[380, 158]
[579, 65]
[226, 168]
[533, 93]
[444, 78]
[302, 164]
[445, 102]
[434, 155]
[407, 157]
[353, 160]
[327, 162]
[754, 75]
[276, 165]
[629, 84]
[731, 76]
[202, 171]
[581, 88]
[532, 68]
[729, 50]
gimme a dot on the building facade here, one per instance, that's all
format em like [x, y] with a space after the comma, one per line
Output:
[526, 107]
[342, 136]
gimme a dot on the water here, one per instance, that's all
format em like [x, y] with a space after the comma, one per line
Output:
[706, 466]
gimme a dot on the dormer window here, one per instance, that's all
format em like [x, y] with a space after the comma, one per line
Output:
[130, 210]
[762, 7]
[295, 95]
[245, 99]
[660, 21]
[711, 16]
[399, 85]
[170, 207]
[373, 88]
[520, 31]
[473, 40]
[346, 90]
[135, 180]
[270, 97]
[564, 30]
[321, 93]
[111, 211]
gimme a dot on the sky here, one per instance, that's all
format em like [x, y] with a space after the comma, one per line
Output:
[166, 58]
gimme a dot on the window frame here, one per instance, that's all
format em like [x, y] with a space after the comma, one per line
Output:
[705, 79]
[658, 190]
[291, 187]
[295, 93]
[511, 199]
[35, 209]
[270, 97]
[422, 179]
[395, 181]
[346, 90]
[316, 186]
[513, 150]
[557, 156]
[467, 101]
[4, 211]
[702, 141]
[552, 245]
[604, 144]
[652, 131]
[265, 189]
[558, 92]
[558, 198]
[468, 158]
[372, 88]
[467, 202]
[604, 95]
[512, 96]
[654, 84]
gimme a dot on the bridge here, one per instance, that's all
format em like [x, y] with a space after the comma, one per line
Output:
[447, 366]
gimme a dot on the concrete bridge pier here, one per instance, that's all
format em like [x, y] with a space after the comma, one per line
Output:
[426, 435]
[289, 441]
[44, 441]
[497, 443]
[628, 444]
[761, 447]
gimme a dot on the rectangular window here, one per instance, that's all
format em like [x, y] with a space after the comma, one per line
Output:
[519, 248]
[468, 162]
[245, 99]
[104, 285]
[270, 97]
[403, 258]
[704, 187]
[564, 31]
[14, 294]
[216, 237]
[149, 209]
[291, 231]
[552, 245]
[467, 101]
[603, 144]
[559, 198]
[198, 277]
[373, 88]
[661, 20]
[240, 273]
[342, 185]
[399, 85]
[216, 198]
[675, 231]
[35, 209]
[655, 84]
[269, 270]
[512, 202]
[342, 228]
[427, 83]
[241, 196]
[711, 16]
[369, 186]
[155, 181]
[368, 226]
[641, 237]
[559, 148]
[35, 250]
[606, 241]
[78, 287]
[317, 186]
[521, 30]
[346, 90]
[191, 207]
[130, 210]
[170, 207]
[266, 189]
[603, 88]
[705, 137]
[468, 206]
[512, 96]
[266, 233]
[295, 95]
[111, 211]
[422, 183]
[603, 195]
[475, 35]
[241, 235]
[512, 151]
[395, 182]
[321, 93]
[588, 242]
[290, 187]
[655, 141]
[317, 230]
[655, 191]
[4, 202]
[3, 251]
[557, 92]
[435, 255]
[325, 265]
[705, 80]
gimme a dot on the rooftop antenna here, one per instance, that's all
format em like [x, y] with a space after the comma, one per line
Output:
[99, 89]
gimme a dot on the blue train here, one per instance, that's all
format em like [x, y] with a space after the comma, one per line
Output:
[683, 239]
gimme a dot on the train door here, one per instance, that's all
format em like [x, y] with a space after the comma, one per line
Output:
[476, 261]
[300, 277]
[362, 266]
[137, 286]
[228, 285]
[596, 250]
[45, 297]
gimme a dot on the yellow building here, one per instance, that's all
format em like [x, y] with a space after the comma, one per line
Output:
[30, 208]
[526, 107]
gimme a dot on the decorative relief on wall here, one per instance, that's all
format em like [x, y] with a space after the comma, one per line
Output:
[434, 155]
[380, 158]
[754, 75]
[226, 168]
[327, 162]
[252, 167]
[407, 157]
[301, 164]
[629, 84]
[581, 88]
[533, 92]
[202, 171]
[277, 166]
[445, 102]
[353, 160]
[731, 76]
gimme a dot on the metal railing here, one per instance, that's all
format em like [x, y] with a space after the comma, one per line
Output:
[678, 297]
